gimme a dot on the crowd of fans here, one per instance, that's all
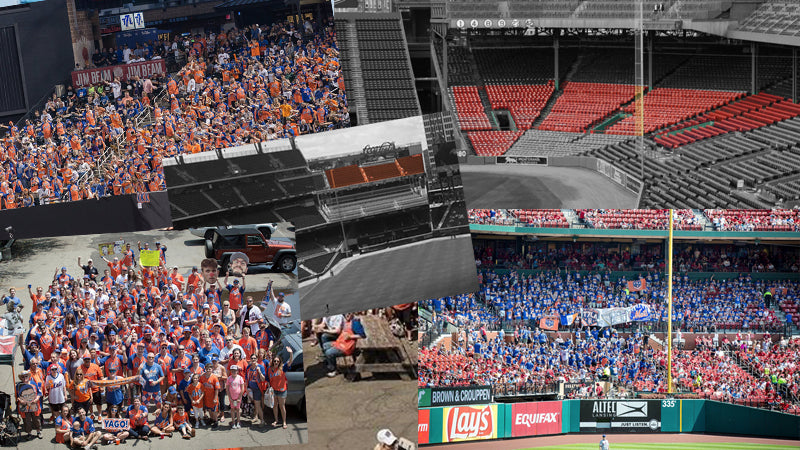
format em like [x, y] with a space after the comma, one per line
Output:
[648, 258]
[703, 304]
[145, 343]
[532, 361]
[636, 219]
[237, 87]
[754, 220]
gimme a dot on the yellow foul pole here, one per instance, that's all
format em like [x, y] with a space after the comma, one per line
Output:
[669, 306]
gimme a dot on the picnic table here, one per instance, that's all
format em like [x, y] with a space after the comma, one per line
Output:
[380, 352]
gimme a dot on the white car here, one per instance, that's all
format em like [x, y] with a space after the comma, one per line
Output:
[267, 229]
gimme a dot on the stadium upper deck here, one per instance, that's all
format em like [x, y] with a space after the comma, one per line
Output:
[637, 219]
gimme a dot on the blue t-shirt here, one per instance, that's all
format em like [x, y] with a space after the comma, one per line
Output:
[151, 373]
[114, 395]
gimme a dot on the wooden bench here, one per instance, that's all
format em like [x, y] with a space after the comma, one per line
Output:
[380, 352]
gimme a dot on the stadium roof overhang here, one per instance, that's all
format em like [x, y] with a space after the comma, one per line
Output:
[716, 27]
[277, 4]
[609, 235]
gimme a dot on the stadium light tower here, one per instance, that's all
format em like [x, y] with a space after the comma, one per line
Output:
[640, 84]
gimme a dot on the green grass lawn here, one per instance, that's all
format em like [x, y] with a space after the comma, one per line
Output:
[668, 446]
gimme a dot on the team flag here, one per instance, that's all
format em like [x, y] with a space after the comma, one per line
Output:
[549, 323]
[637, 285]
[568, 319]
[7, 345]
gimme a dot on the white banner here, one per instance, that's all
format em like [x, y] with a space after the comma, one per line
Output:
[131, 21]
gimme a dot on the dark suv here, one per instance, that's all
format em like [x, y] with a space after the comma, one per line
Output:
[225, 242]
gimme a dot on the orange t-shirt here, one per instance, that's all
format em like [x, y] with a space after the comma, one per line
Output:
[93, 372]
[210, 383]
[195, 392]
[249, 345]
[83, 393]
[180, 419]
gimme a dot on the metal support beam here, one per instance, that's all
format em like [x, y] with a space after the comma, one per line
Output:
[444, 62]
[556, 34]
[754, 68]
[794, 74]
[651, 36]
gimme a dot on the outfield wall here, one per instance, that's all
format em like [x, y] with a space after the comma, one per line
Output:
[511, 420]
[599, 165]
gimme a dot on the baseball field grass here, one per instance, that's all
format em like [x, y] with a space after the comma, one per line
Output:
[672, 446]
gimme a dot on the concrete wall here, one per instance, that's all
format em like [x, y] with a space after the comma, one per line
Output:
[44, 39]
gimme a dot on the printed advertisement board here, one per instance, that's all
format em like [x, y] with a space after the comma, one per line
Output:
[423, 427]
[631, 416]
[467, 423]
[145, 69]
[536, 418]
[465, 395]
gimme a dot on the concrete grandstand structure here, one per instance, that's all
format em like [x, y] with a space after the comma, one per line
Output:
[553, 79]
[348, 200]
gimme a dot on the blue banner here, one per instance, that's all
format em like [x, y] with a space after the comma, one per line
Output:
[133, 37]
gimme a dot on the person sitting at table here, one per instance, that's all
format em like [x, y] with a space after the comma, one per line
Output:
[344, 345]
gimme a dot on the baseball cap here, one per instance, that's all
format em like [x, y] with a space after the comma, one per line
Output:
[172, 390]
[214, 358]
[234, 367]
[385, 436]
[187, 330]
